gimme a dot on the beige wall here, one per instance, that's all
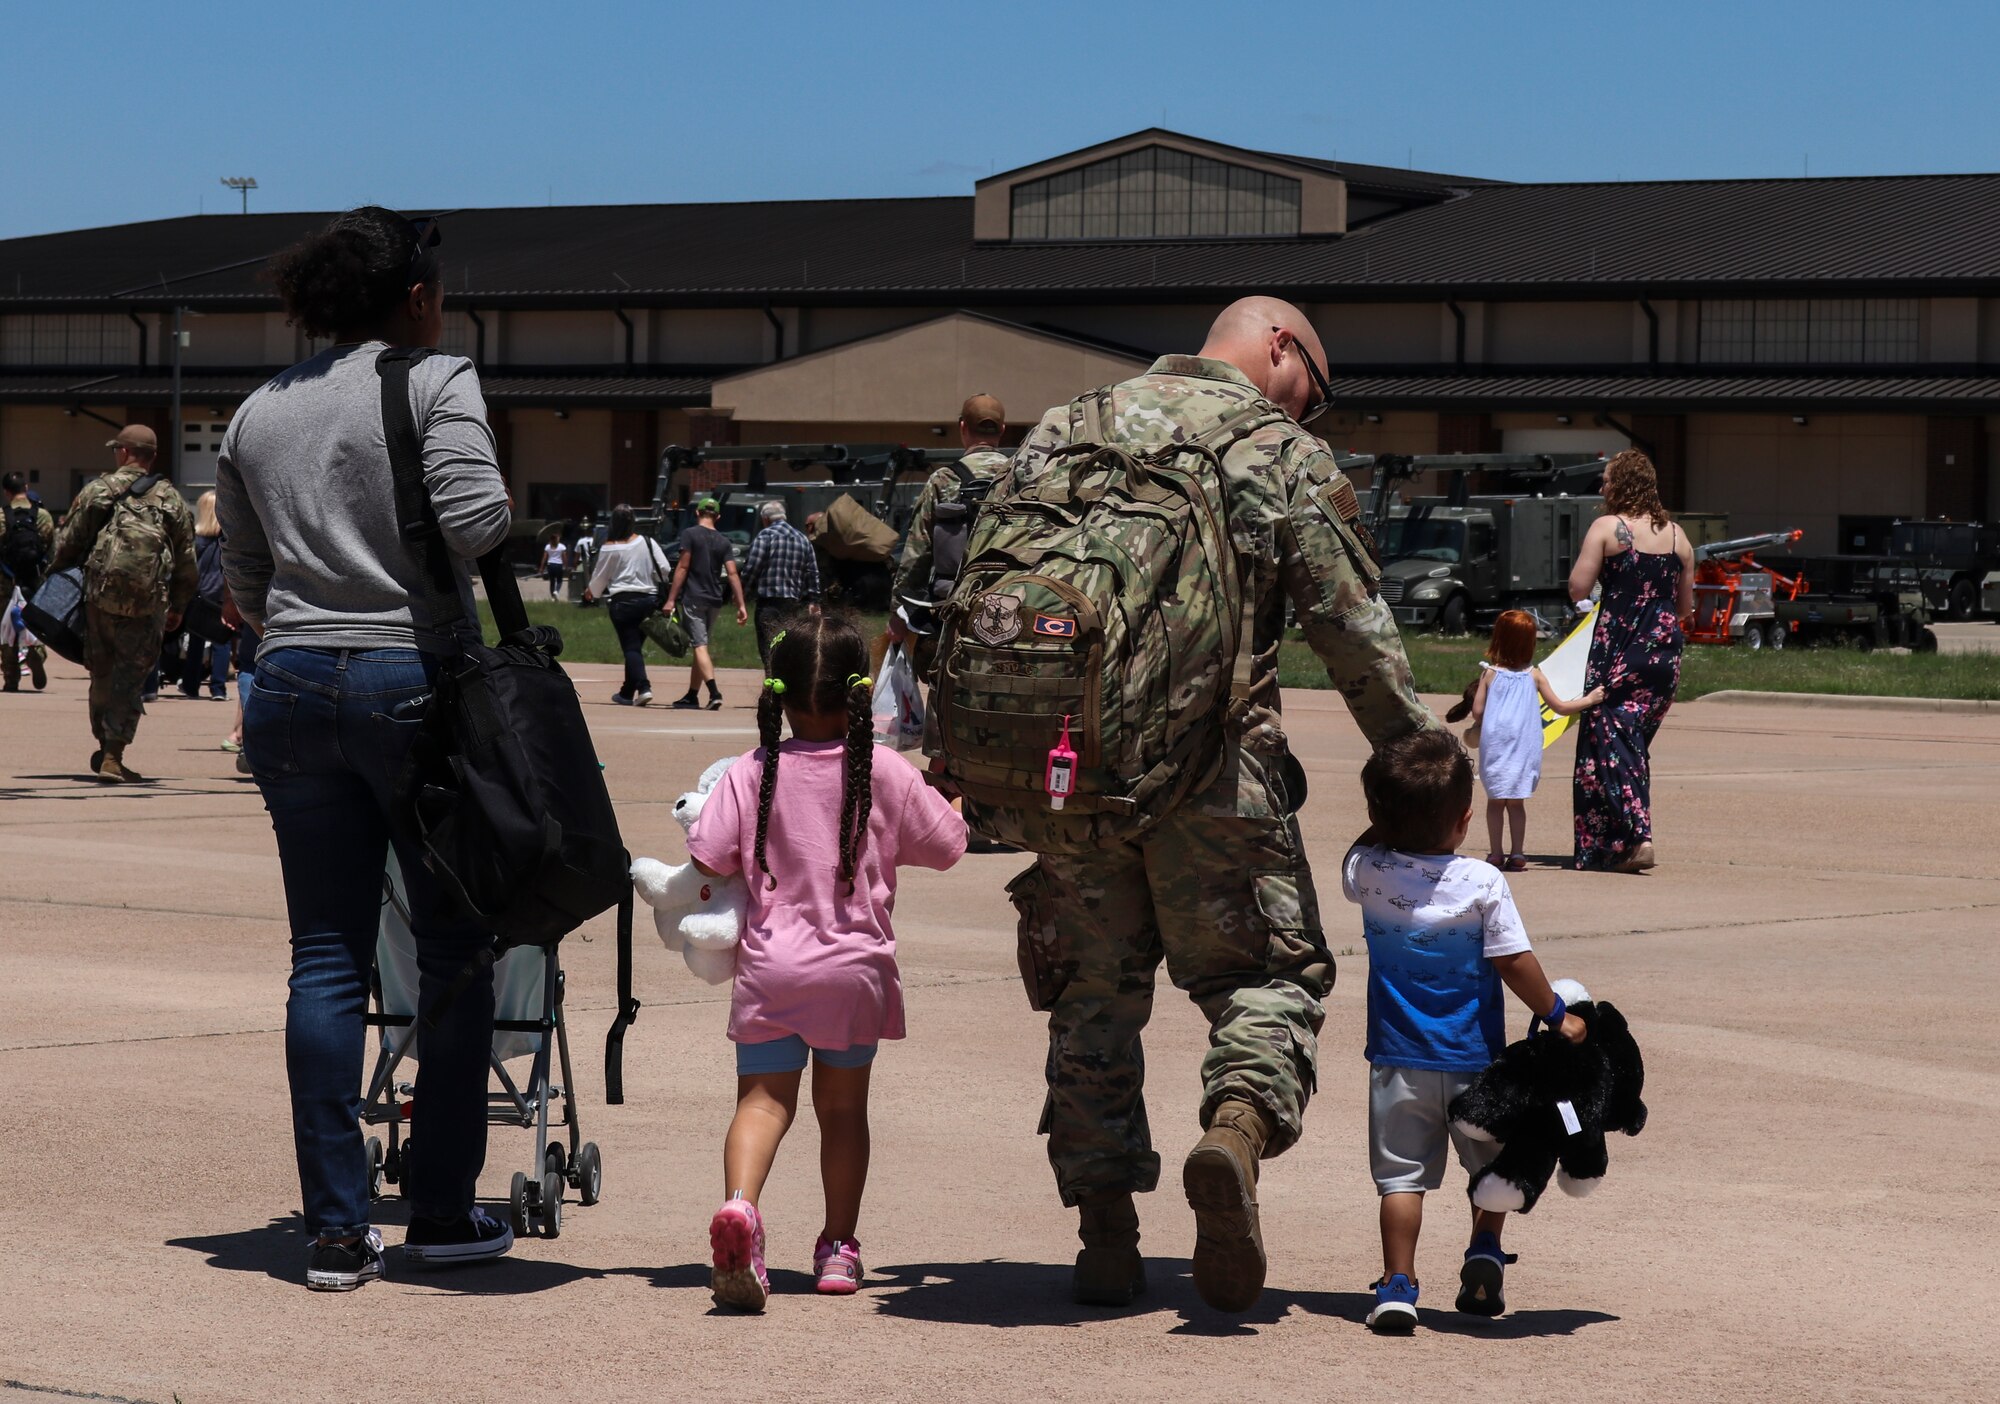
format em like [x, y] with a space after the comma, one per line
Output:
[1377, 332]
[727, 336]
[544, 449]
[57, 453]
[1770, 474]
[920, 375]
[223, 339]
[1525, 333]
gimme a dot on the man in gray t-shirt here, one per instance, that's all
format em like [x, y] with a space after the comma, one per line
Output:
[706, 560]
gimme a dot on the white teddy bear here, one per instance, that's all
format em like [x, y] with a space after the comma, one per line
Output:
[698, 915]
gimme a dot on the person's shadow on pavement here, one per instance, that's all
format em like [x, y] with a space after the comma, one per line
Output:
[1007, 1294]
[279, 1248]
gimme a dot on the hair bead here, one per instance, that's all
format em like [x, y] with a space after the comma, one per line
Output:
[776, 685]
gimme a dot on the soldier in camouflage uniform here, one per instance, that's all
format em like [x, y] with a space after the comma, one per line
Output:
[981, 421]
[1220, 888]
[137, 551]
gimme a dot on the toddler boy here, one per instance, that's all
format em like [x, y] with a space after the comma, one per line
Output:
[1443, 936]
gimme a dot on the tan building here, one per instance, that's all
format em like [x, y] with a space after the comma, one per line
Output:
[1814, 353]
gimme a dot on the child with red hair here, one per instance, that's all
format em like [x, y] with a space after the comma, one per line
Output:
[1506, 711]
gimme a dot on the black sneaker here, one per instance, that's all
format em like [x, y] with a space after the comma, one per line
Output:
[622, 699]
[341, 1267]
[714, 701]
[689, 703]
[475, 1238]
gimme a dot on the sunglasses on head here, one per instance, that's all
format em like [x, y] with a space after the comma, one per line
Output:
[1315, 410]
[428, 236]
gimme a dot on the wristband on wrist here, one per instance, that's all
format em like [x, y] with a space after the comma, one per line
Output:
[1555, 1016]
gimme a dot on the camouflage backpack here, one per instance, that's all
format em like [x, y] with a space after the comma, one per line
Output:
[130, 561]
[1107, 591]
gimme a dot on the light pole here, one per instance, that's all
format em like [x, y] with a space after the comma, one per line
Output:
[242, 185]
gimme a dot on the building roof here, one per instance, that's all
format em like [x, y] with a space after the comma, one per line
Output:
[1909, 234]
[499, 387]
[1791, 392]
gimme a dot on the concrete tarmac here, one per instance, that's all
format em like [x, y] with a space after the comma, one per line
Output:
[1806, 1217]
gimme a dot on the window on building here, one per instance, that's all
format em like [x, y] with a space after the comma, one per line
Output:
[1156, 193]
[68, 339]
[1802, 331]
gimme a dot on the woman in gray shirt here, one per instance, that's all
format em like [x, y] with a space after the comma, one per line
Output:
[316, 561]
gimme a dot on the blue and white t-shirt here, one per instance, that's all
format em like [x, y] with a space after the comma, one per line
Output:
[1434, 923]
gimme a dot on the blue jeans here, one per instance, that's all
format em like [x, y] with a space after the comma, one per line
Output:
[628, 610]
[327, 732]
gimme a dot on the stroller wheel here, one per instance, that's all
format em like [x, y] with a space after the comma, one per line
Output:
[375, 1167]
[589, 1170]
[517, 1205]
[553, 1160]
[550, 1209]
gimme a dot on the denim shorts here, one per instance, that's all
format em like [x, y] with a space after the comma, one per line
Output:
[788, 1054]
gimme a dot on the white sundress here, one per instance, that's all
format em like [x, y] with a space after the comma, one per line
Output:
[1510, 735]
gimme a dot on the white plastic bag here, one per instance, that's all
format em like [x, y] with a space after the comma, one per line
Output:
[899, 702]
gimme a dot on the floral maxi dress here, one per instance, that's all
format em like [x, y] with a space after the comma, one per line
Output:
[1635, 656]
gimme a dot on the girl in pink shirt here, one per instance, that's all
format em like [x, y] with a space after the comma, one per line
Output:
[818, 827]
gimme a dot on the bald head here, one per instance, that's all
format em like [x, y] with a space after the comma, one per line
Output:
[1262, 337]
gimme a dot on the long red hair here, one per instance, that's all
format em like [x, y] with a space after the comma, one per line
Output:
[1513, 644]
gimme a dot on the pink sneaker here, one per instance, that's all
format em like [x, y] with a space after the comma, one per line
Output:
[837, 1267]
[736, 1233]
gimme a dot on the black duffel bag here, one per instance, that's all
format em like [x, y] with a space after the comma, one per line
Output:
[503, 793]
[55, 614]
[203, 619]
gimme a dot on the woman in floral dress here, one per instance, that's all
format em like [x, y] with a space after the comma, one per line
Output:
[1646, 566]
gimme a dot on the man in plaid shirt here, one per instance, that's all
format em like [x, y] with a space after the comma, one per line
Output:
[782, 570]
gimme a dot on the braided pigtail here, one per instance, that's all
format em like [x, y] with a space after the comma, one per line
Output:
[857, 791]
[770, 718]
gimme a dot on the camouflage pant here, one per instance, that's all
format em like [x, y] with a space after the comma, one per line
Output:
[1222, 891]
[120, 649]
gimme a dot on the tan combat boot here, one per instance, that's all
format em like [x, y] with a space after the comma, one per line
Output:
[1109, 1270]
[111, 768]
[1221, 1182]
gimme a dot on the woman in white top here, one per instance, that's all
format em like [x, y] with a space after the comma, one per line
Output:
[555, 565]
[630, 569]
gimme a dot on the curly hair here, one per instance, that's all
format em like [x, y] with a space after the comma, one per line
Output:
[344, 281]
[1631, 489]
[817, 665]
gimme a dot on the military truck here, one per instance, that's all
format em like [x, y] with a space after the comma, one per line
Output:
[1452, 561]
[1953, 562]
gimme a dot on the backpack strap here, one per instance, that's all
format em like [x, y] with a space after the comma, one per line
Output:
[415, 517]
[1218, 439]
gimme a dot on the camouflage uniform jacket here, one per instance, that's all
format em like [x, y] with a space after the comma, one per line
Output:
[913, 576]
[1295, 520]
[91, 513]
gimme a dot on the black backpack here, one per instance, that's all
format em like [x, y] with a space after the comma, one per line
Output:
[503, 793]
[951, 528]
[21, 549]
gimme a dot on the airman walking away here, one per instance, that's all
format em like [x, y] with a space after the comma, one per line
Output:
[934, 550]
[1123, 597]
[134, 536]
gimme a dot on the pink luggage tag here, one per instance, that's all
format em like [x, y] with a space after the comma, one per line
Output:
[1061, 776]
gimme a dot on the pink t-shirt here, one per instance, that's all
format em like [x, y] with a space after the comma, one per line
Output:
[816, 960]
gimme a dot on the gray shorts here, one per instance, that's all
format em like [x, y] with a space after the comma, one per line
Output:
[700, 619]
[1408, 1128]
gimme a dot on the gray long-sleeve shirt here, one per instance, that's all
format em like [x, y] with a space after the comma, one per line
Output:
[312, 549]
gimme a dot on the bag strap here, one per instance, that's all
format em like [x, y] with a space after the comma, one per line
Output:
[417, 519]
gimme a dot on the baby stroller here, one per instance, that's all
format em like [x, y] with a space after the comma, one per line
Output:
[527, 1010]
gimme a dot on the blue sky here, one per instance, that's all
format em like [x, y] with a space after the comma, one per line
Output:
[111, 112]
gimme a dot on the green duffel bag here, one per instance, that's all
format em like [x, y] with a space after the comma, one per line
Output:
[670, 632]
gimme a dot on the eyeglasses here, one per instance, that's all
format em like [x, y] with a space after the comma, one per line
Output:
[428, 237]
[1325, 402]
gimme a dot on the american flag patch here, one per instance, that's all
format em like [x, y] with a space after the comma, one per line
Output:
[1055, 626]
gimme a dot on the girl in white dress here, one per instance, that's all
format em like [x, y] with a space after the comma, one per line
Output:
[1507, 709]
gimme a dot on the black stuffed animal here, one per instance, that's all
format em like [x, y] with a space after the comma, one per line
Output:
[1519, 1102]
